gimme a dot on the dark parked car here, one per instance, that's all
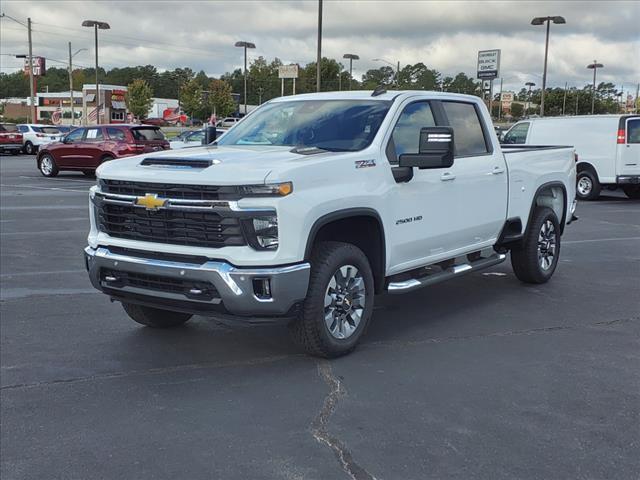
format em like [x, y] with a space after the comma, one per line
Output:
[85, 148]
[10, 138]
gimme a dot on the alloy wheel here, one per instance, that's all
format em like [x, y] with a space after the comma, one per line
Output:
[46, 165]
[585, 185]
[344, 302]
[546, 245]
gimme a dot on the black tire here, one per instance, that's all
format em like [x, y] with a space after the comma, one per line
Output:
[29, 148]
[48, 169]
[632, 191]
[309, 329]
[155, 317]
[526, 258]
[587, 185]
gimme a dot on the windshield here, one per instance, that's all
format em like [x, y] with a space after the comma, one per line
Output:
[335, 125]
[8, 127]
[145, 133]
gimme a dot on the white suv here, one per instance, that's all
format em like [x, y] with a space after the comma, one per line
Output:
[227, 122]
[35, 135]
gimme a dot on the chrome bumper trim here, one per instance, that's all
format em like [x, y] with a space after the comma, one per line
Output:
[234, 284]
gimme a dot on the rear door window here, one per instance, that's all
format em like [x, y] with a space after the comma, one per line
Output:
[116, 134]
[146, 133]
[517, 134]
[468, 135]
[633, 130]
[94, 135]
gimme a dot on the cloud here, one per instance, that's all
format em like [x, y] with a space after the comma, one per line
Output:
[443, 35]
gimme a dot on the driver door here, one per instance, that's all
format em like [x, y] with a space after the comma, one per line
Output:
[67, 154]
[424, 208]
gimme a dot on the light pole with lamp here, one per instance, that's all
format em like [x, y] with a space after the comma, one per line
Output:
[542, 21]
[594, 66]
[73, 114]
[97, 26]
[351, 57]
[397, 69]
[245, 45]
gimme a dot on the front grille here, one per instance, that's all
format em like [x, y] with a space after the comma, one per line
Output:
[178, 227]
[169, 190]
[188, 288]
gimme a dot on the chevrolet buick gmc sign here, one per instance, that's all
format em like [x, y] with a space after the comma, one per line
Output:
[488, 64]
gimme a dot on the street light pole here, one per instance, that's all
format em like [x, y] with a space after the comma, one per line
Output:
[541, 21]
[29, 57]
[397, 68]
[594, 66]
[102, 26]
[245, 45]
[319, 54]
[351, 57]
[73, 115]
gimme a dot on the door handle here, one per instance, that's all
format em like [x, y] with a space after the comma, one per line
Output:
[497, 170]
[446, 176]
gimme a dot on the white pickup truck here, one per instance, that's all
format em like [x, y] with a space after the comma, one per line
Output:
[312, 204]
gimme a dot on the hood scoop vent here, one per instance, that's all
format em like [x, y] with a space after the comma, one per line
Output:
[178, 163]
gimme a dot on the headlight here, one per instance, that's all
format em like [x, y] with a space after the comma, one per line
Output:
[268, 190]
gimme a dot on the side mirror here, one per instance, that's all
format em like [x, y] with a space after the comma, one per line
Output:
[209, 135]
[435, 150]
[67, 140]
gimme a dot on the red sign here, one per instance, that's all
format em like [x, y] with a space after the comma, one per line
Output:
[39, 66]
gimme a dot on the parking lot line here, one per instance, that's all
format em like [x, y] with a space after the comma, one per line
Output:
[600, 240]
[29, 274]
[42, 232]
[44, 188]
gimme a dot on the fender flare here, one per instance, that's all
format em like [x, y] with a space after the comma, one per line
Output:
[564, 203]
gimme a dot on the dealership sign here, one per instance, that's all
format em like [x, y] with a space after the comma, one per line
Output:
[488, 64]
[507, 97]
[288, 71]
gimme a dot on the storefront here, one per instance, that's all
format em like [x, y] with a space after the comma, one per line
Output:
[110, 107]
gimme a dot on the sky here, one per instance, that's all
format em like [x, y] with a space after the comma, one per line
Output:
[445, 35]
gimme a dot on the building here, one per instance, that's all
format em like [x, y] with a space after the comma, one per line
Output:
[109, 104]
[55, 108]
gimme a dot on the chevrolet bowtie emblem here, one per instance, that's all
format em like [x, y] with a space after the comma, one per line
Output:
[151, 201]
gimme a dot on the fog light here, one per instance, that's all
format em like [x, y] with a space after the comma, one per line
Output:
[262, 288]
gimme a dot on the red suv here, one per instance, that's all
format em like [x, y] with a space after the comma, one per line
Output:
[10, 138]
[85, 148]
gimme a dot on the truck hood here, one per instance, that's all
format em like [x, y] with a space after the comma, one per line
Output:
[233, 165]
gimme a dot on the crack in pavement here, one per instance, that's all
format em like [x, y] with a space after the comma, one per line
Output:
[320, 423]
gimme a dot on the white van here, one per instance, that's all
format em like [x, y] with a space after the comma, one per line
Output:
[608, 148]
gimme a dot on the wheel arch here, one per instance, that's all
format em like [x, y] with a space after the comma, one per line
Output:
[554, 196]
[361, 227]
[582, 166]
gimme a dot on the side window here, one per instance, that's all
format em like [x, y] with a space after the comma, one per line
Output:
[467, 129]
[517, 134]
[196, 137]
[94, 135]
[115, 134]
[76, 135]
[406, 134]
[633, 131]
[23, 128]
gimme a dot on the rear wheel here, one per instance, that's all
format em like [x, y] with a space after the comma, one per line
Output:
[632, 191]
[155, 317]
[29, 148]
[587, 186]
[339, 301]
[535, 260]
[47, 166]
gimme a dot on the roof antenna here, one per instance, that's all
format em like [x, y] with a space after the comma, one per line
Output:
[379, 91]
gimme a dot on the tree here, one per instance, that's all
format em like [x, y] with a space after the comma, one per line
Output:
[191, 99]
[220, 98]
[139, 98]
[380, 76]
[517, 109]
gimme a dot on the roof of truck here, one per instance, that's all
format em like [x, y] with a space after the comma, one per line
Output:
[367, 95]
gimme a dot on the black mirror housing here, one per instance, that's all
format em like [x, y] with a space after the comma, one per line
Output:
[435, 150]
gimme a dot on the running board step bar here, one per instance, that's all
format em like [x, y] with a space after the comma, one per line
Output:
[454, 271]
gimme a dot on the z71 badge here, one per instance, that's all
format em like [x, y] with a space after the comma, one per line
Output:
[365, 163]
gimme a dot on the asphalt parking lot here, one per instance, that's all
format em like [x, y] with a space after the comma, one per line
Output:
[481, 377]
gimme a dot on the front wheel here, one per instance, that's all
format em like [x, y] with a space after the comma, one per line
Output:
[48, 166]
[587, 186]
[339, 301]
[155, 317]
[29, 148]
[632, 191]
[535, 260]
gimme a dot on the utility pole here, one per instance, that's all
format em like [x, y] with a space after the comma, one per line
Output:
[500, 109]
[319, 56]
[564, 100]
[637, 102]
[73, 114]
[32, 109]
[577, 93]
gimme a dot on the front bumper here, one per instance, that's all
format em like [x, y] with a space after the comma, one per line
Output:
[628, 180]
[208, 287]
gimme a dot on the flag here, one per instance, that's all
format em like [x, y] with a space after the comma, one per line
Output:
[93, 114]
